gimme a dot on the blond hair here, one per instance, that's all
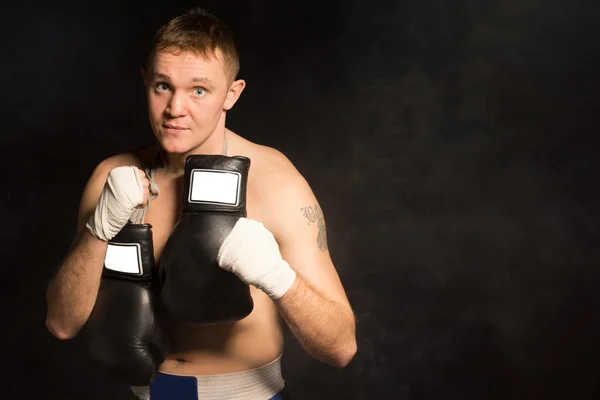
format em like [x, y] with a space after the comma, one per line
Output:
[201, 32]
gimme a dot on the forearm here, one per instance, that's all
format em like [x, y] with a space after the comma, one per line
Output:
[325, 328]
[72, 291]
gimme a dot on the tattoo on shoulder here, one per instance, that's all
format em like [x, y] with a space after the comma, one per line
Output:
[313, 214]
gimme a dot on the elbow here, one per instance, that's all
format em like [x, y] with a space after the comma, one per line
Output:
[61, 332]
[347, 356]
[344, 355]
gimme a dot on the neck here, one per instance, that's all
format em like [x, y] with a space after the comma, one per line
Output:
[215, 144]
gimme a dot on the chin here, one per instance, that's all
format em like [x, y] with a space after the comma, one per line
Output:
[175, 146]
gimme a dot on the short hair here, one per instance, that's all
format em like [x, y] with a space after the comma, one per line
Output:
[201, 32]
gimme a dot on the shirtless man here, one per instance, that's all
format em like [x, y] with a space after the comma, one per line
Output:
[191, 82]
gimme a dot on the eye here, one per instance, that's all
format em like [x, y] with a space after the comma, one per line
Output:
[199, 91]
[162, 87]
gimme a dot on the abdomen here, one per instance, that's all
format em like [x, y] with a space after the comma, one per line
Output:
[216, 349]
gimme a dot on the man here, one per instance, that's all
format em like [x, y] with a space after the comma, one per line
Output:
[191, 82]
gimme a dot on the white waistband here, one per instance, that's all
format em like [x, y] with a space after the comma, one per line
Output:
[260, 383]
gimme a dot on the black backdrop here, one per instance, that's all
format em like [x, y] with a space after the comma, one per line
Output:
[452, 144]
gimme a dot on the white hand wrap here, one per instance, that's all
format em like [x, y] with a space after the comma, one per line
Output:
[251, 252]
[122, 193]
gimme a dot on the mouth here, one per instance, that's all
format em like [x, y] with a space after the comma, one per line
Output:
[174, 128]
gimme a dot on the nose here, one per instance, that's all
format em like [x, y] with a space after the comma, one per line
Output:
[176, 106]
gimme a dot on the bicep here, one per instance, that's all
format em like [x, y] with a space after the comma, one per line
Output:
[301, 231]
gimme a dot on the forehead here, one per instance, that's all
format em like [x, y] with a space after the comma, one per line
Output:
[185, 66]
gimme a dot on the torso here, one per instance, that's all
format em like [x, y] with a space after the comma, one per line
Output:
[197, 350]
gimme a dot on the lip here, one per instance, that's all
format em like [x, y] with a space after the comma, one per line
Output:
[171, 126]
[174, 128]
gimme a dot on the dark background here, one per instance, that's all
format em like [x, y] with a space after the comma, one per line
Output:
[452, 144]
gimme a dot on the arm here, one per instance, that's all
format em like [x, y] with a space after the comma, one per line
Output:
[315, 307]
[286, 256]
[324, 327]
[72, 291]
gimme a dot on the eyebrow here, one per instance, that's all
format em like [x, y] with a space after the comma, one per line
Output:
[194, 79]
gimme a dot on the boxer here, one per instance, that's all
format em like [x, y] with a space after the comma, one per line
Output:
[279, 249]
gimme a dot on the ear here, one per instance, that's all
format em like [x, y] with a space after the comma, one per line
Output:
[144, 76]
[233, 94]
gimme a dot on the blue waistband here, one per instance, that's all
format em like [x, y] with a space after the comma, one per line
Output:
[169, 387]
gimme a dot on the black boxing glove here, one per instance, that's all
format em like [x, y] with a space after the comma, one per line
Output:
[123, 336]
[194, 288]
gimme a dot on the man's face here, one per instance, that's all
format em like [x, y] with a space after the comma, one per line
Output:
[187, 98]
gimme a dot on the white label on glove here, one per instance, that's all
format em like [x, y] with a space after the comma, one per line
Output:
[211, 186]
[124, 257]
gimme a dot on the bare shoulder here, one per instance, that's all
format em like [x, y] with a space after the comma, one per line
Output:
[272, 174]
[266, 162]
[275, 168]
[281, 196]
